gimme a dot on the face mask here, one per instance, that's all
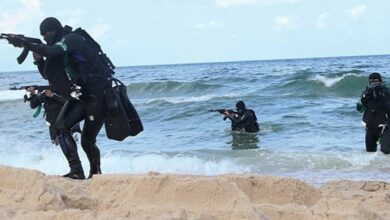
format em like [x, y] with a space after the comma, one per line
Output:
[49, 37]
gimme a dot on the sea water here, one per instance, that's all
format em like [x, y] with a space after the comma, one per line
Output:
[306, 109]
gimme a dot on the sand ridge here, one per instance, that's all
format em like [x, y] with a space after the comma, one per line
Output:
[29, 194]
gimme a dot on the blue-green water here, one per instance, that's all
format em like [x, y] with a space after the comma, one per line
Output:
[306, 109]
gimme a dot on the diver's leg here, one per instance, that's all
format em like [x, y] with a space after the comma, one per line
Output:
[385, 141]
[76, 128]
[94, 103]
[73, 114]
[53, 135]
[372, 136]
[88, 142]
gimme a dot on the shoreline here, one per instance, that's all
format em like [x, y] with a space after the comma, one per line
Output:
[30, 194]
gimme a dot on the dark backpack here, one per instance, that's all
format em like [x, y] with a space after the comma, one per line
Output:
[253, 125]
[102, 57]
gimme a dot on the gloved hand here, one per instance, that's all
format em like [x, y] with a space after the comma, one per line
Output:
[359, 107]
[16, 41]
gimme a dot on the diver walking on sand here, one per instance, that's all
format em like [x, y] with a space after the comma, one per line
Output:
[78, 72]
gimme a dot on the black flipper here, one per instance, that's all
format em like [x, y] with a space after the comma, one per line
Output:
[121, 118]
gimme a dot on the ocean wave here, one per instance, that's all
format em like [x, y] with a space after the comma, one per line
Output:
[182, 99]
[354, 160]
[164, 163]
[9, 95]
[331, 81]
[169, 87]
[345, 85]
[46, 160]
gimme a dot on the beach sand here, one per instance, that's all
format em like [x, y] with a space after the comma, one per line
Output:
[29, 194]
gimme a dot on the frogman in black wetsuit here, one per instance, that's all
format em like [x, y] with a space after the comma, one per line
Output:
[244, 119]
[71, 62]
[52, 103]
[375, 103]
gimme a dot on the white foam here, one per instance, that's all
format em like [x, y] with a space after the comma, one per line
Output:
[358, 159]
[50, 160]
[329, 82]
[163, 163]
[8, 95]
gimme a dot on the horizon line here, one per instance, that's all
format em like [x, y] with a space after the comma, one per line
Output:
[231, 61]
[238, 61]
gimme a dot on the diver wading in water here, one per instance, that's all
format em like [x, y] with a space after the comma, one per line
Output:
[375, 103]
[243, 119]
[76, 70]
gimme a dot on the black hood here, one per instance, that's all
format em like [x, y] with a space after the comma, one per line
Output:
[375, 76]
[52, 24]
[240, 105]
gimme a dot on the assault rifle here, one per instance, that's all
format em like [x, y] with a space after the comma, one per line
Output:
[222, 110]
[36, 88]
[11, 37]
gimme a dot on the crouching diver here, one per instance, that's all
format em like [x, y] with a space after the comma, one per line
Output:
[244, 119]
[374, 102]
[52, 103]
[75, 69]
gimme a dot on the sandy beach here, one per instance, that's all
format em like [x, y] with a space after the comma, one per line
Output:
[29, 194]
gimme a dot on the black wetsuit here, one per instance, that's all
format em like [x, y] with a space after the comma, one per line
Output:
[72, 61]
[52, 106]
[245, 121]
[376, 106]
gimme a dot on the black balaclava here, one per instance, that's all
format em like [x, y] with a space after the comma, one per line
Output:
[240, 106]
[51, 24]
[375, 76]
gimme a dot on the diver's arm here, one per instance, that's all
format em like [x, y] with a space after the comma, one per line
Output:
[40, 62]
[52, 95]
[59, 99]
[40, 66]
[71, 43]
[362, 104]
[45, 50]
[366, 97]
[239, 120]
[385, 99]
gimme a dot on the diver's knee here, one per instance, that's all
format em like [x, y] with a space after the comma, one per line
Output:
[85, 142]
[59, 124]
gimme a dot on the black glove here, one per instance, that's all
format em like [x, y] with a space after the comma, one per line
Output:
[359, 107]
[16, 41]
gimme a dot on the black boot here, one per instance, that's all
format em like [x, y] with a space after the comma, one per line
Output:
[95, 169]
[75, 175]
